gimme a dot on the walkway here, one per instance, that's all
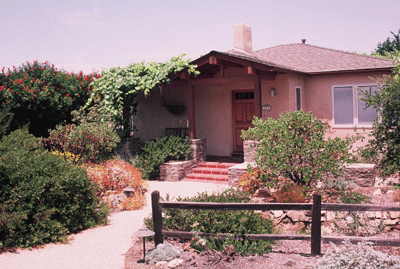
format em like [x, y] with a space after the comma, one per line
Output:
[102, 247]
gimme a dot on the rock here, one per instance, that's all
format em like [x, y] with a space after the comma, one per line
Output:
[296, 216]
[330, 215]
[175, 263]
[391, 221]
[377, 192]
[394, 214]
[264, 193]
[162, 264]
[277, 213]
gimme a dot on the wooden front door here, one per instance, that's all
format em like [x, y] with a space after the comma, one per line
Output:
[243, 113]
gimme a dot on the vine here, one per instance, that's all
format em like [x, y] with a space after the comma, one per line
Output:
[118, 87]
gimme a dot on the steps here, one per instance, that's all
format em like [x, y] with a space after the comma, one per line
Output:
[211, 171]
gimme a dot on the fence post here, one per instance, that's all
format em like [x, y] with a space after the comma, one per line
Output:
[316, 225]
[157, 217]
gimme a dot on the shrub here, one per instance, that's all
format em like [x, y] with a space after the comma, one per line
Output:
[42, 96]
[163, 252]
[396, 195]
[115, 175]
[42, 197]
[386, 132]
[160, 151]
[252, 181]
[294, 146]
[236, 222]
[353, 198]
[361, 255]
[86, 142]
[290, 193]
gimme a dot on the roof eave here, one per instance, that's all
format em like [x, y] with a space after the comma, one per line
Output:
[366, 70]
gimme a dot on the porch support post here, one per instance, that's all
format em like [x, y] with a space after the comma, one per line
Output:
[191, 117]
[257, 95]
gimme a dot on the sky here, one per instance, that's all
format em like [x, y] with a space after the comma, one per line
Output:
[91, 35]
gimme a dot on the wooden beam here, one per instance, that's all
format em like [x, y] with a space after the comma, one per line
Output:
[250, 70]
[257, 96]
[191, 114]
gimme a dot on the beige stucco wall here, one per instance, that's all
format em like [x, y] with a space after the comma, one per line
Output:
[152, 118]
[213, 112]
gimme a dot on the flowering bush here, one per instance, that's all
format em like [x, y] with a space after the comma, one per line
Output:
[42, 96]
[114, 176]
[360, 256]
[86, 142]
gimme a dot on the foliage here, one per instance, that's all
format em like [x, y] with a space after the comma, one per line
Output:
[337, 184]
[115, 175]
[290, 193]
[42, 197]
[396, 195]
[163, 252]
[294, 146]
[236, 222]
[386, 128]
[5, 119]
[41, 96]
[353, 198]
[160, 151]
[86, 142]
[389, 45]
[119, 86]
[252, 181]
[360, 256]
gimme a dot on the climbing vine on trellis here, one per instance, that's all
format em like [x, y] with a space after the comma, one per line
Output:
[118, 87]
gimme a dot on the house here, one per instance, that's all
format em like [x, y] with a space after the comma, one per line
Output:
[236, 85]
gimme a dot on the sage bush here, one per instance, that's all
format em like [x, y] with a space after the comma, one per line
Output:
[294, 146]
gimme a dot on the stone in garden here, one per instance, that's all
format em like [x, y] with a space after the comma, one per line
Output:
[277, 213]
[394, 214]
[162, 264]
[175, 263]
[391, 221]
[377, 192]
[264, 193]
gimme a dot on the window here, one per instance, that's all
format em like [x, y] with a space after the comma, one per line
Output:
[298, 98]
[349, 110]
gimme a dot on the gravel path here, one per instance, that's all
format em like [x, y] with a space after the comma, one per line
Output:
[102, 247]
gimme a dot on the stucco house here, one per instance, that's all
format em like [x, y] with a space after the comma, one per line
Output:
[236, 85]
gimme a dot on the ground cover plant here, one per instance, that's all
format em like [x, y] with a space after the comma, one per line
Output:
[235, 222]
[42, 197]
[294, 146]
[41, 96]
[160, 151]
[115, 175]
[361, 256]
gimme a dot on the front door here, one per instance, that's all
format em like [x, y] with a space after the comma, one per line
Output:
[243, 113]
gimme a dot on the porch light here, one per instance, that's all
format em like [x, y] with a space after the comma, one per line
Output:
[266, 107]
[144, 232]
[273, 92]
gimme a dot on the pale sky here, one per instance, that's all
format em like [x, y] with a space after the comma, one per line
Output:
[95, 34]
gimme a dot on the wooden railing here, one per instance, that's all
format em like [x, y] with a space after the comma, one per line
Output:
[315, 207]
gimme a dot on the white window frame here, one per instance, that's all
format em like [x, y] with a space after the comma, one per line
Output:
[355, 88]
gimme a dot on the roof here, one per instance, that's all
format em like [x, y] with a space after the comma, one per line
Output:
[310, 59]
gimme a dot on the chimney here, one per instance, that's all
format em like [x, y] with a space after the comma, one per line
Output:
[242, 38]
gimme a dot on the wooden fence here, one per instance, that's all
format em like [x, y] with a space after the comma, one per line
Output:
[315, 207]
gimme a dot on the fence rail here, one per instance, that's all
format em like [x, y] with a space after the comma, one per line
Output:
[315, 207]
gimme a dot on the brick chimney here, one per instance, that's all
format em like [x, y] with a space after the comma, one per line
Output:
[242, 38]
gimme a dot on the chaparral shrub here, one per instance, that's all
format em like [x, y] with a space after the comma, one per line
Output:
[235, 222]
[115, 175]
[362, 256]
[290, 193]
[160, 151]
[253, 180]
[42, 96]
[86, 142]
[42, 197]
[294, 146]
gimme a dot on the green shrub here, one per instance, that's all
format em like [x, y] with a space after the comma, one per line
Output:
[353, 198]
[160, 151]
[42, 197]
[236, 222]
[87, 142]
[42, 96]
[294, 146]
[386, 132]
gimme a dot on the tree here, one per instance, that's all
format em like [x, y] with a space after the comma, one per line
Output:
[294, 146]
[386, 128]
[118, 87]
[389, 45]
[41, 96]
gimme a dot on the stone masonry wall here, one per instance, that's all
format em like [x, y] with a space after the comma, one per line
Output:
[176, 171]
